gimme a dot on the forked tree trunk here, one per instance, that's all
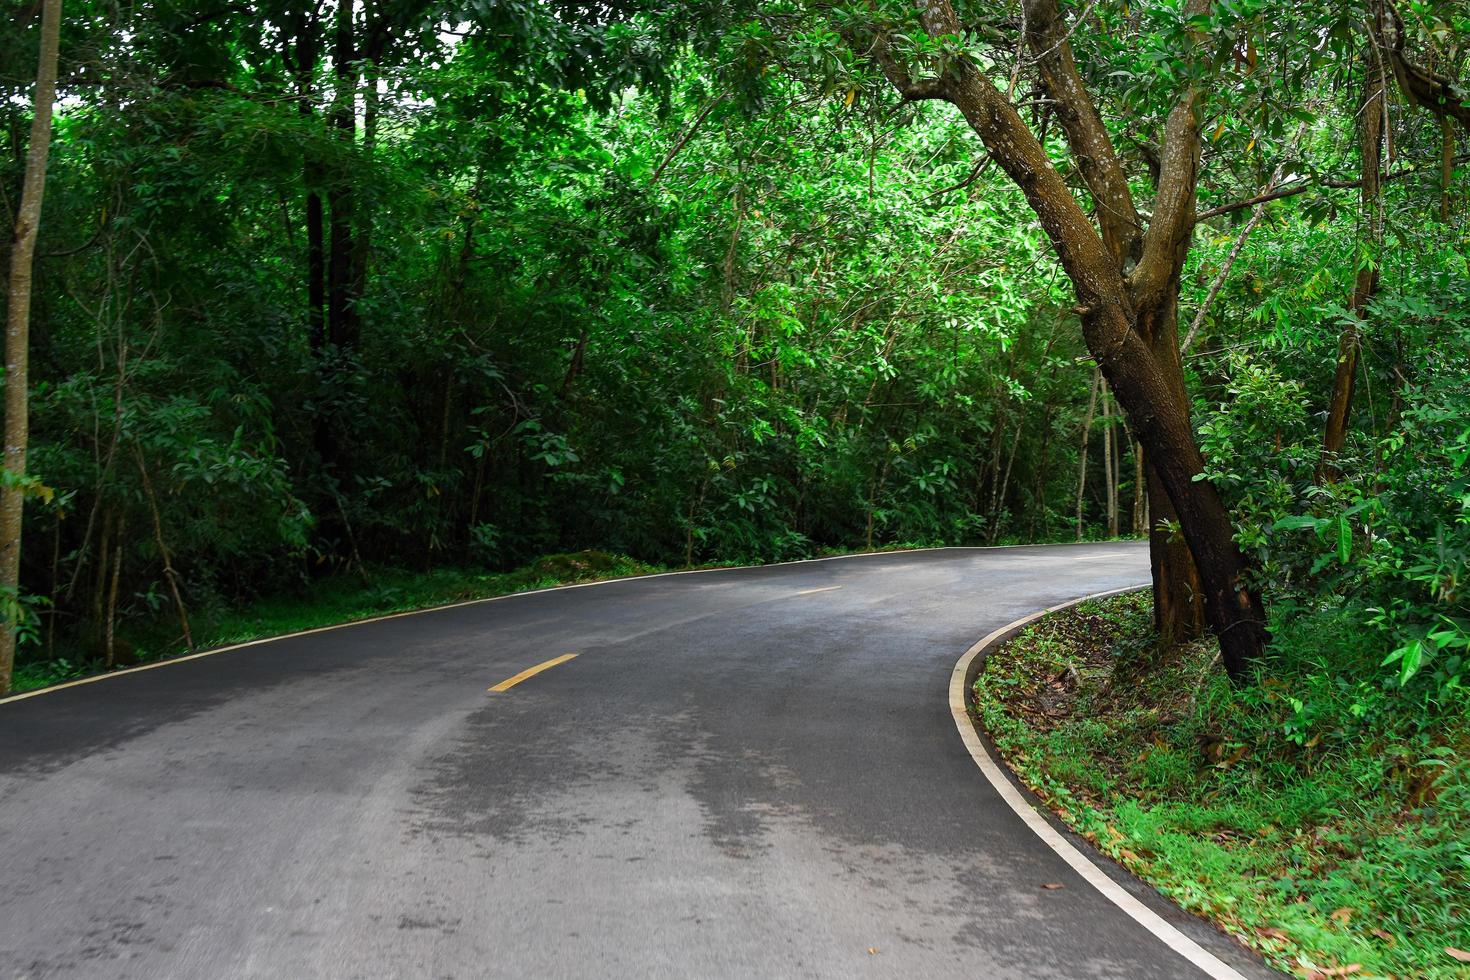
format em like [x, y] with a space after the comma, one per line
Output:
[1126, 316]
[18, 328]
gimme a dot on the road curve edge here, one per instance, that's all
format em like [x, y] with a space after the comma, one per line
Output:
[200, 654]
[961, 679]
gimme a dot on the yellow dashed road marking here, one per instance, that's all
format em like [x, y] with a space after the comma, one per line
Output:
[530, 672]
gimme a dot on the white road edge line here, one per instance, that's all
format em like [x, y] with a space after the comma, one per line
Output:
[513, 595]
[1079, 862]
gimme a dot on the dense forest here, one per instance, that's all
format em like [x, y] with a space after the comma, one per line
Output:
[324, 288]
[319, 305]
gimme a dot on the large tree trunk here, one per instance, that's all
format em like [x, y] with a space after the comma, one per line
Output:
[1161, 422]
[18, 328]
[1124, 314]
[1179, 612]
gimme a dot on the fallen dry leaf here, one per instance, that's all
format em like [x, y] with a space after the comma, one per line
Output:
[1334, 971]
[1458, 954]
[1052, 886]
[1270, 932]
[1343, 915]
[872, 950]
[1384, 934]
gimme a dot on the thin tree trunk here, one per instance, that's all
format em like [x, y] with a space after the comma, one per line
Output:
[1086, 439]
[1110, 476]
[1446, 166]
[1038, 503]
[1140, 491]
[1365, 282]
[1005, 480]
[109, 638]
[99, 587]
[168, 565]
[55, 588]
[18, 328]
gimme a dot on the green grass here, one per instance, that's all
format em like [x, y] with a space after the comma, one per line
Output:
[340, 599]
[1318, 817]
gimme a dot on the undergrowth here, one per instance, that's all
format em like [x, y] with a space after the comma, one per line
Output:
[1320, 817]
[340, 599]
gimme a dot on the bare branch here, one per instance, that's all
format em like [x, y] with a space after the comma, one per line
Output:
[688, 135]
[1301, 188]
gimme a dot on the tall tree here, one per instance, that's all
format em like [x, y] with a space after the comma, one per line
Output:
[1125, 269]
[17, 332]
[1385, 57]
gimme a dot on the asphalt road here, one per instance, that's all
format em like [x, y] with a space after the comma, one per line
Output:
[743, 773]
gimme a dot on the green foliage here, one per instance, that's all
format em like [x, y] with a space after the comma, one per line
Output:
[381, 591]
[1319, 817]
[786, 342]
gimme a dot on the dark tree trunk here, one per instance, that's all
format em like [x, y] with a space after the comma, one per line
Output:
[341, 303]
[316, 266]
[300, 57]
[1179, 612]
[1365, 283]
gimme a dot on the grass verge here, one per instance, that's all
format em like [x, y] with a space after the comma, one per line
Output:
[1332, 837]
[341, 599]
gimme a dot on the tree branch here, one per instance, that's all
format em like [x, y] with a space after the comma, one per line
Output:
[1440, 94]
[688, 135]
[1302, 188]
[1087, 137]
[969, 179]
[1166, 242]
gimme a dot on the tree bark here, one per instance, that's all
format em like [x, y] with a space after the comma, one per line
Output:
[1110, 472]
[1140, 492]
[1179, 612]
[1365, 282]
[18, 328]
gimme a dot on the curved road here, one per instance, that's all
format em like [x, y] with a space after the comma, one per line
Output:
[743, 773]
